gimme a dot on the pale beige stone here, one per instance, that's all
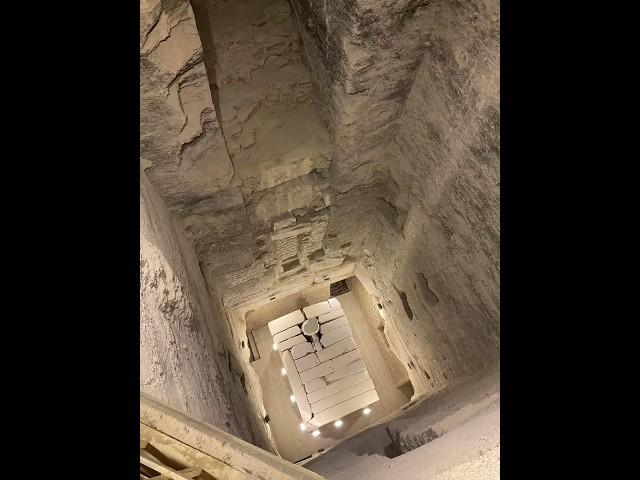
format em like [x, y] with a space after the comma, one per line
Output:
[321, 370]
[336, 349]
[342, 395]
[307, 362]
[345, 371]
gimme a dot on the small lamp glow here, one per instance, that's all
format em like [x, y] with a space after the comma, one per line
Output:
[315, 433]
[338, 423]
[275, 346]
[284, 371]
[292, 398]
[366, 411]
[303, 427]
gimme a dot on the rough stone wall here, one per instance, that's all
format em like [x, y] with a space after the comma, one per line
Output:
[232, 139]
[186, 357]
[437, 259]
[181, 145]
[374, 139]
[388, 344]
[362, 55]
[453, 434]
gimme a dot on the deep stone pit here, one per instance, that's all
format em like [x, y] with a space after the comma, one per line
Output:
[290, 145]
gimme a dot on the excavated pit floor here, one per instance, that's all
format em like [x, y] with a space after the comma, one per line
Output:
[293, 444]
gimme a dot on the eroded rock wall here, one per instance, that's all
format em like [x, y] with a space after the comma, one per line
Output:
[187, 358]
[181, 145]
[232, 139]
[437, 259]
[290, 138]
[362, 55]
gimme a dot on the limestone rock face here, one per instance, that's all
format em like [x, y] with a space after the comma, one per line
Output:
[186, 360]
[266, 107]
[181, 146]
[232, 139]
[438, 262]
[290, 139]
[362, 55]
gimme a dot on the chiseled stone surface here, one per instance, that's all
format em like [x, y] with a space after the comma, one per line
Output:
[231, 137]
[290, 138]
[454, 434]
[181, 145]
[186, 360]
[438, 270]
[362, 55]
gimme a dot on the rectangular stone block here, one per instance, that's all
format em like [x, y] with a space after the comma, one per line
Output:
[316, 309]
[320, 371]
[290, 233]
[345, 371]
[333, 324]
[315, 384]
[292, 374]
[334, 304]
[346, 358]
[334, 336]
[340, 410]
[303, 405]
[325, 317]
[307, 362]
[335, 387]
[342, 395]
[336, 349]
[286, 321]
[288, 333]
[290, 342]
[296, 386]
[300, 350]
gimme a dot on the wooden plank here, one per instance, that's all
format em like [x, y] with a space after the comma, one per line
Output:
[307, 362]
[300, 350]
[334, 336]
[325, 317]
[316, 309]
[342, 395]
[315, 384]
[219, 453]
[290, 342]
[161, 468]
[336, 349]
[190, 472]
[345, 359]
[288, 333]
[336, 386]
[333, 324]
[320, 371]
[345, 408]
[334, 303]
[350, 369]
[286, 321]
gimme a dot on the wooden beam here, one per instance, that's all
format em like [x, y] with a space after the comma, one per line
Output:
[170, 473]
[190, 472]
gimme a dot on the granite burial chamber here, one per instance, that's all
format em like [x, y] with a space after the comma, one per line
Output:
[297, 151]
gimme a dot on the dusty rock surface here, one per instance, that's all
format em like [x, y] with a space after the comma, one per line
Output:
[452, 434]
[186, 359]
[290, 138]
